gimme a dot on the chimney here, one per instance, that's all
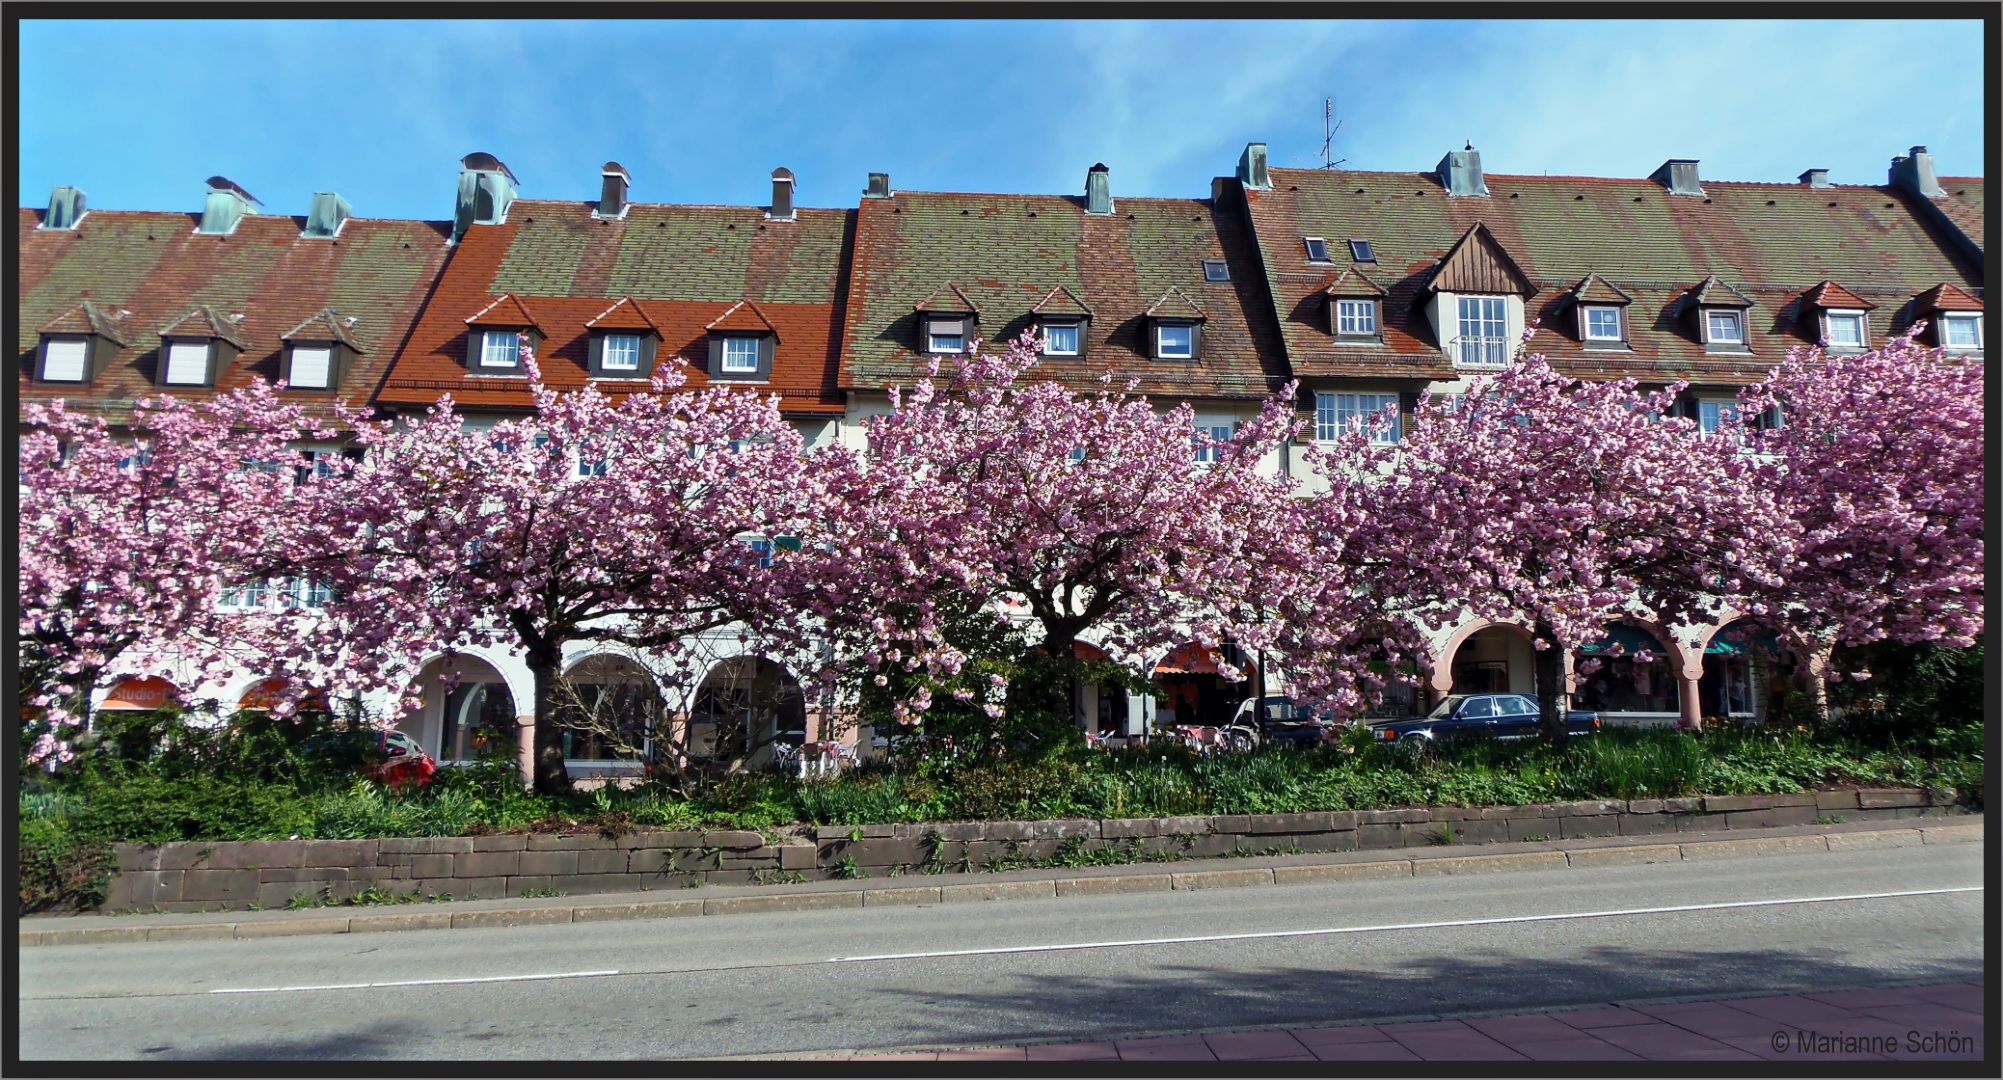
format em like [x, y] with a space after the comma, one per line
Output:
[1816, 178]
[486, 188]
[879, 186]
[782, 195]
[612, 194]
[227, 204]
[1252, 168]
[1098, 190]
[1679, 175]
[1460, 172]
[1914, 172]
[65, 208]
[328, 213]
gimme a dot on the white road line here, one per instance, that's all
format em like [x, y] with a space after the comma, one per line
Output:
[411, 982]
[1401, 926]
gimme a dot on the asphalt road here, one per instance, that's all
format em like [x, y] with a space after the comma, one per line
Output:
[771, 984]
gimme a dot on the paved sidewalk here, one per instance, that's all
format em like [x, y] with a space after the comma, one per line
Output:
[1912, 1023]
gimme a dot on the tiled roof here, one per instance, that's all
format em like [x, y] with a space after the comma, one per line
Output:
[1352, 282]
[1828, 294]
[1945, 297]
[1963, 206]
[506, 310]
[679, 267]
[1061, 301]
[1175, 305]
[154, 265]
[1713, 292]
[624, 315]
[1770, 242]
[1594, 289]
[90, 318]
[745, 316]
[950, 299]
[1008, 253]
[327, 324]
[205, 321]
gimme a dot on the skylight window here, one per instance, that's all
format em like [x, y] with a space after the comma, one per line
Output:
[1216, 270]
[1361, 251]
[1317, 248]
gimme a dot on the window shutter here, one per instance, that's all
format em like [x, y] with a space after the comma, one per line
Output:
[187, 363]
[1196, 341]
[647, 344]
[310, 366]
[595, 357]
[65, 360]
[768, 347]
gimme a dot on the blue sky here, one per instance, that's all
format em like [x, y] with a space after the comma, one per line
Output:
[139, 113]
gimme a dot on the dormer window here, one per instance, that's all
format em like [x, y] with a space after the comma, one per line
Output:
[1961, 331]
[1356, 318]
[1842, 324]
[1354, 303]
[1475, 300]
[500, 349]
[742, 344]
[739, 355]
[1603, 324]
[318, 351]
[1724, 326]
[1484, 331]
[1062, 319]
[66, 359]
[1060, 339]
[1720, 314]
[1954, 318]
[1844, 330]
[497, 336]
[1175, 327]
[1175, 341]
[946, 321]
[1317, 248]
[77, 344]
[622, 353]
[197, 347]
[945, 334]
[188, 362]
[623, 342]
[312, 367]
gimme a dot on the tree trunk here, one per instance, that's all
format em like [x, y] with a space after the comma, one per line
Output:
[551, 778]
[1551, 704]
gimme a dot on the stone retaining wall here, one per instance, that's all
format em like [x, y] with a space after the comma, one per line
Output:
[197, 876]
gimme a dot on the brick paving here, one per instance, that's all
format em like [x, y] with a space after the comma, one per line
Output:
[1741, 1029]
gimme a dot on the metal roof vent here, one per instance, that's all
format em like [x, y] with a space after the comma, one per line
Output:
[782, 196]
[65, 208]
[1252, 168]
[1679, 175]
[328, 214]
[1460, 172]
[1816, 178]
[879, 186]
[486, 188]
[1098, 190]
[227, 204]
[1914, 172]
[612, 194]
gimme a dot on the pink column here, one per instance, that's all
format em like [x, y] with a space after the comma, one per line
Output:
[525, 749]
[1690, 716]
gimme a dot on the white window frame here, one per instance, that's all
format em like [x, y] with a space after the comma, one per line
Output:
[1161, 345]
[326, 354]
[1971, 319]
[178, 349]
[82, 362]
[730, 364]
[1738, 319]
[1481, 349]
[1714, 413]
[248, 596]
[1586, 331]
[1863, 324]
[1336, 414]
[489, 339]
[1050, 349]
[629, 361]
[1363, 313]
[1217, 428]
[933, 338]
[1309, 243]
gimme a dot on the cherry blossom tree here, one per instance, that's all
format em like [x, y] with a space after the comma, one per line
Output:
[1879, 461]
[1090, 512]
[1565, 505]
[130, 535]
[630, 523]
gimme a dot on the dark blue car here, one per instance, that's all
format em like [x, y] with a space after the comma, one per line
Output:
[1478, 716]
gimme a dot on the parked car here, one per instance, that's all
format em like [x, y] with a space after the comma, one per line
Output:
[396, 758]
[1478, 716]
[1284, 720]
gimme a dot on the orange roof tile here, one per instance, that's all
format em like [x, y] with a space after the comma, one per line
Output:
[1828, 294]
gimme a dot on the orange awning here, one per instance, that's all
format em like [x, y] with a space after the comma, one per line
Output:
[141, 695]
[265, 694]
[1191, 659]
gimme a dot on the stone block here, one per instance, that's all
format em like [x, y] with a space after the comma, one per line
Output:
[1646, 824]
[1792, 798]
[402, 920]
[1794, 814]
[1750, 819]
[1533, 828]
[1454, 813]
[276, 894]
[1718, 804]
[1412, 816]
[1489, 864]
[143, 889]
[797, 857]
[524, 916]
[1952, 834]
[1222, 879]
[1477, 831]
[997, 890]
[1370, 837]
[1644, 806]
[482, 864]
[1006, 830]
[645, 909]
[667, 838]
[604, 861]
[1755, 846]
[1586, 808]
[501, 842]
[337, 853]
[1063, 828]
[423, 866]
[477, 888]
[202, 886]
[1231, 823]
[748, 905]
[959, 831]
[185, 855]
[1625, 856]
[567, 842]
[1876, 813]
[1193, 826]
[1325, 841]
[128, 857]
[1209, 845]
[1869, 799]
[888, 851]
[599, 883]
[1364, 871]
[518, 885]
[194, 932]
[1113, 885]
[726, 877]
[302, 873]
[1682, 806]
[733, 839]
[290, 927]
[405, 845]
[1122, 828]
[900, 897]
[755, 859]
[1877, 838]
[1580, 828]
[546, 862]
[262, 855]
[1835, 800]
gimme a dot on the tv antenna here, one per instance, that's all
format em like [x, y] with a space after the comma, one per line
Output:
[1329, 126]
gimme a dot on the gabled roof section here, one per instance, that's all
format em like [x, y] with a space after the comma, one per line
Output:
[89, 318]
[743, 317]
[949, 299]
[1477, 263]
[1712, 292]
[1594, 289]
[205, 321]
[507, 310]
[624, 315]
[1061, 301]
[326, 324]
[1945, 297]
[1353, 282]
[1828, 294]
[1176, 304]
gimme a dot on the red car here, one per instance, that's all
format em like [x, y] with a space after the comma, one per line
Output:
[400, 760]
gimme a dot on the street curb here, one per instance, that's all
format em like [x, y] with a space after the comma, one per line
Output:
[1012, 885]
